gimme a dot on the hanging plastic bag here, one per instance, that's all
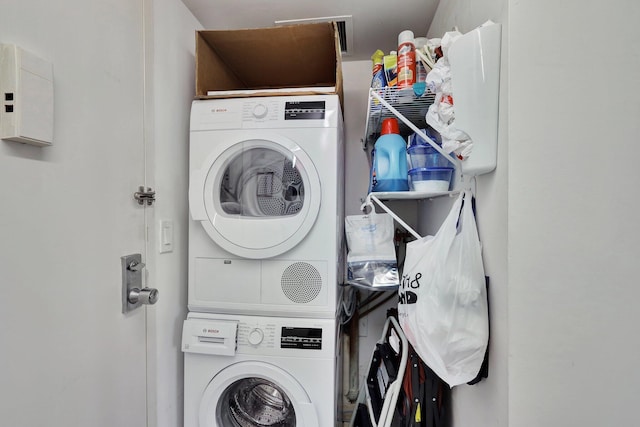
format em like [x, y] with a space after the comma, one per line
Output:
[371, 259]
[443, 307]
[441, 114]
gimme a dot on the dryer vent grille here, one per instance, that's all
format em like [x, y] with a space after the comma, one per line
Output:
[301, 282]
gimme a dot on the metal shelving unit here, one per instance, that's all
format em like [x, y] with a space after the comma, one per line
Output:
[410, 110]
[404, 101]
[475, 75]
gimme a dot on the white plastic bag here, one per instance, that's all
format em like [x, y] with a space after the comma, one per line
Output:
[443, 307]
[441, 114]
[371, 260]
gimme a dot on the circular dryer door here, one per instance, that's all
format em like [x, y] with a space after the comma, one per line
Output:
[255, 394]
[260, 197]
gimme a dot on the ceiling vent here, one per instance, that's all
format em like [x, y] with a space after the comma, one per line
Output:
[344, 23]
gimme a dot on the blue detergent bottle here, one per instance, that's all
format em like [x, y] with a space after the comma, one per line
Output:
[389, 169]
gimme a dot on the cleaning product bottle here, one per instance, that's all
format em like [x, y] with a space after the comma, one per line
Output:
[378, 81]
[390, 64]
[420, 86]
[406, 60]
[421, 68]
[389, 170]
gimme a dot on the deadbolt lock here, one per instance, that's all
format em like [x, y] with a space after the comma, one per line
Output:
[143, 296]
[134, 294]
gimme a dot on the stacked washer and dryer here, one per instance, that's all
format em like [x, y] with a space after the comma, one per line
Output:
[266, 198]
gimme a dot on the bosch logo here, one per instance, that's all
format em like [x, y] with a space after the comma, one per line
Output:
[210, 331]
[219, 110]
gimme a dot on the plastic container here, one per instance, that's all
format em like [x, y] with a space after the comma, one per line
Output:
[430, 179]
[406, 60]
[425, 156]
[389, 169]
[416, 139]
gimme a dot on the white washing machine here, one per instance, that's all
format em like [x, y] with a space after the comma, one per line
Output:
[266, 197]
[254, 371]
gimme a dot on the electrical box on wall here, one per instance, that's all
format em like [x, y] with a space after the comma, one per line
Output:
[26, 88]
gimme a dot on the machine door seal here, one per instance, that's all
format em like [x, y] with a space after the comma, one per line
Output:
[217, 404]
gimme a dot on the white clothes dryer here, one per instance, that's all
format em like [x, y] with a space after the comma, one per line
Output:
[266, 197]
[260, 371]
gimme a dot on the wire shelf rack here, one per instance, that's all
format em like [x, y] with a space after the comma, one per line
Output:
[413, 107]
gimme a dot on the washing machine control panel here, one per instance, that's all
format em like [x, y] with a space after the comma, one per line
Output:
[261, 335]
[301, 338]
[256, 335]
[272, 336]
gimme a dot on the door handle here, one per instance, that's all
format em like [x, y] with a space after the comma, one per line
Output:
[134, 295]
[143, 296]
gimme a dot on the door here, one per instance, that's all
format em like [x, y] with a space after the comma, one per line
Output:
[68, 356]
[256, 196]
[255, 393]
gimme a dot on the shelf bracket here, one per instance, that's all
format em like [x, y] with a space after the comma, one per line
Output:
[399, 220]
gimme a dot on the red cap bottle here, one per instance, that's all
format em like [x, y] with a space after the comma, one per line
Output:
[390, 159]
[389, 125]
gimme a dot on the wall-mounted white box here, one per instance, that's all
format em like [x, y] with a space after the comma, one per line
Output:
[26, 96]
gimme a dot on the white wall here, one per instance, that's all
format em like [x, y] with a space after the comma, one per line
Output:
[484, 404]
[573, 233]
[173, 88]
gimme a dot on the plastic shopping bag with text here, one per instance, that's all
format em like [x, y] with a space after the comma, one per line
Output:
[443, 307]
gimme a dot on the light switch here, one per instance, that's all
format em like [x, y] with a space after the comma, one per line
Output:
[166, 236]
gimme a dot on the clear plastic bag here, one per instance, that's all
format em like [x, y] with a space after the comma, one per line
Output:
[443, 306]
[371, 260]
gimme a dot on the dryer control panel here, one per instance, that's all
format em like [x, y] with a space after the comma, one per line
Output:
[269, 112]
[261, 110]
[304, 110]
[265, 110]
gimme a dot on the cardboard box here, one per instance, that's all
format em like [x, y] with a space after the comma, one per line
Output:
[269, 61]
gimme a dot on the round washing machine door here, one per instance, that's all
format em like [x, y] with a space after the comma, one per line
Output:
[258, 198]
[256, 394]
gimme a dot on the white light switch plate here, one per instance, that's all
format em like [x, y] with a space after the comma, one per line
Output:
[166, 236]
